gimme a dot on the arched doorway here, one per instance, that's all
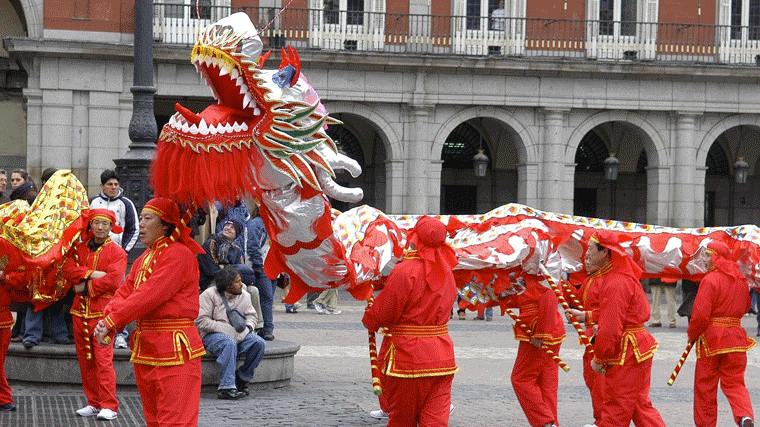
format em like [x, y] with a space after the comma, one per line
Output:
[623, 198]
[462, 192]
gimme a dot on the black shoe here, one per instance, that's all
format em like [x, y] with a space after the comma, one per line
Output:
[229, 394]
[241, 384]
[29, 344]
[291, 310]
[268, 336]
[7, 407]
[746, 422]
[67, 341]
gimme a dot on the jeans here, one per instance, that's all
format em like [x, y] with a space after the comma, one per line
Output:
[34, 322]
[226, 351]
[266, 287]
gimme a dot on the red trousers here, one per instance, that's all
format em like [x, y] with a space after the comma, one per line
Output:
[96, 366]
[5, 390]
[418, 401]
[595, 383]
[170, 395]
[535, 378]
[729, 369]
[627, 397]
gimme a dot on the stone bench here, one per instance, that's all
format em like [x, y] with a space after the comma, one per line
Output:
[55, 363]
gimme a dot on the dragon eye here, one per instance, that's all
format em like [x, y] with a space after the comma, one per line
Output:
[284, 76]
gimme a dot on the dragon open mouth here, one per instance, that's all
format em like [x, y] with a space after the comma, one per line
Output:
[236, 111]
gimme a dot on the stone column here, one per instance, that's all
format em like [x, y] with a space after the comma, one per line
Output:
[417, 161]
[394, 187]
[527, 184]
[658, 195]
[684, 212]
[553, 166]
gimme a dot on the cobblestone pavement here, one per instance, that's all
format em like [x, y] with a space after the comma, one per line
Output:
[331, 385]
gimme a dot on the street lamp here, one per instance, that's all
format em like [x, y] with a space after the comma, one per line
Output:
[480, 161]
[611, 166]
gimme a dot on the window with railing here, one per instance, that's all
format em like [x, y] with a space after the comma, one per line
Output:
[608, 33]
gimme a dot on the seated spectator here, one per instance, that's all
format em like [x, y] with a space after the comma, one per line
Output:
[237, 211]
[225, 341]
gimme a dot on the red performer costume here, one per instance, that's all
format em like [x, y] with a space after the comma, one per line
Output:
[623, 347]
[721, 342]
[535, 376]
[6, 323]
[93, 254]
[415, 305]
[161, 294]
[589, 296]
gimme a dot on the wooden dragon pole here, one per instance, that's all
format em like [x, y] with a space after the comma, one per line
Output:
[677, 369]
[528, 332]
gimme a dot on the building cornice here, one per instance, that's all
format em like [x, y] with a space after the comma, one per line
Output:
[392, 62]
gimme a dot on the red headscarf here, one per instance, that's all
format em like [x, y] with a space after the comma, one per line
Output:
[621, 262]
[429, 237]
[722, 259]
[168, 211]
[102, 213]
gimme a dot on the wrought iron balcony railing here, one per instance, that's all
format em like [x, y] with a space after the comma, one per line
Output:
[475, 36]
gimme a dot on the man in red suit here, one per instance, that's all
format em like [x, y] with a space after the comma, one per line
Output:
[161, 294]
[535, 376]
[96, 267]
[6, 323]
[589, 295]
[623, 349]
[721, 342]
[415, 305]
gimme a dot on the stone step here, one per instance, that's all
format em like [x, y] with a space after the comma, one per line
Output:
[56, 363]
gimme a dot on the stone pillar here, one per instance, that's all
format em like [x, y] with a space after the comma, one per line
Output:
[553, 167]
[684, 212]
[658, 195]
[527, 184]
[394, 187]
[417, 161]
[434, 186]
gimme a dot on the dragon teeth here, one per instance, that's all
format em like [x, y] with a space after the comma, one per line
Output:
[243, 89]
[244, 127]
[239, 81]
[193, 129]
[247, 99]
[256, 112]
[236, 127]
[202, 127]
[223, 71]
[234, 74]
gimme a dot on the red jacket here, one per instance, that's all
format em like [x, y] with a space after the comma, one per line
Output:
[417, 318]
[622, 338]
[715, 324]
[161, 293]
[81, 263]
[538, 309]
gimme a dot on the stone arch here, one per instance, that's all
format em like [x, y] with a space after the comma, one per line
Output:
[658, 154]
[526, 148]
[712, 135]
[33, 17]
[384, 128]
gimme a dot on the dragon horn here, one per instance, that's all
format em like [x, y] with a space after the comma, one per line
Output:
[285, 60]
[295, 62]
[263, 58]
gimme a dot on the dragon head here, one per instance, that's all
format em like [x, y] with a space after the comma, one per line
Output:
[266, 130]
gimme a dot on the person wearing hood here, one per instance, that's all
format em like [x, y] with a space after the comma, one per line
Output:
[418, 367]
[23, 186]
[721, 341]
[623, 348]
[95, 267]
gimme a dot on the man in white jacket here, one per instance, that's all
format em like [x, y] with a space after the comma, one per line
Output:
[222, 339]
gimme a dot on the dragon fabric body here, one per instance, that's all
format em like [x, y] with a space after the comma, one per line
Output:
[266, 137]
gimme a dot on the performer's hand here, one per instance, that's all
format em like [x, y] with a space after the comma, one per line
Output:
[597, 367]
[579, 315]
[97, 274]
[80, 287]
[536, 342]
[101, 333]
[2, 275]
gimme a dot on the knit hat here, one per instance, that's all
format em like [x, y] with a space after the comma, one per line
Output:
[238, 226]
[102, 213]
[723, 260]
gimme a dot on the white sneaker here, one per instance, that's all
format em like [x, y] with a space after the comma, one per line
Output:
[328, 311]
[451, 408]
[120, 342]
[379, 414]
[297, 305]
[590, 425]
[87, 411]
[320, 308]
[106, 414]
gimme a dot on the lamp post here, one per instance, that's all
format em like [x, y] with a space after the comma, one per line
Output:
[740, 177]
[480, 162]
[611, 166]
[134, 167]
